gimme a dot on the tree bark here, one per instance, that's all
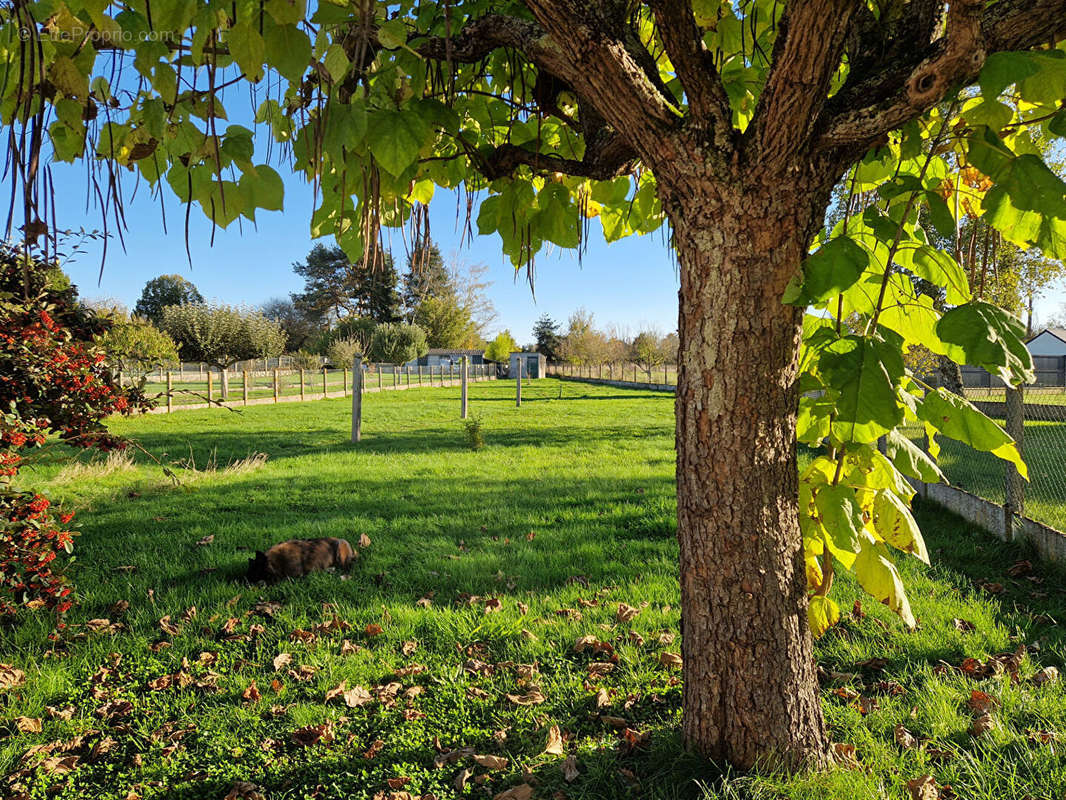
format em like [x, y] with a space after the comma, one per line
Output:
[750, 686]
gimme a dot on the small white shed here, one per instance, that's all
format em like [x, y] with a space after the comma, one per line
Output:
[533, 365]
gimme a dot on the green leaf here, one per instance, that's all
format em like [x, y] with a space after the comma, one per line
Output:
[396, 137]
[940, 215]
[289, 50]
[940, 268]
[956, 418]
[392, 34]
[822, 614]
[880, 579]
[893, 522]
[264, 186]
[910, 459]
[1057, 124]
[248, 48]
[829, 271]
[866, 407]
[286, 12]
[841, 517]
[991, 338]
[1004, 68]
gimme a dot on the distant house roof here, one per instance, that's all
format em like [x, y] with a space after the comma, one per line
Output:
[1058, 333]
[446, 351]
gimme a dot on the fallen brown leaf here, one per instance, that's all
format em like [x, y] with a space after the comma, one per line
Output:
[602, 698]
[671, 660]
[569, 768]
[904, 738]
[244, 790]
[625, 613]
[397, 783]
[252, 693]
[923, 788]
[364, 540]
[282, 660]
[981, 702]
[28, 724]
[206, 540]
[522, 791]
[60, 713]
[10, 676]
[408, 647]
[373, 629]
[555, 745]
[531, 698]
[844, 755]
[313, 734]
[1046, 675]
[491, 762]
[982, 724]
[963, 625]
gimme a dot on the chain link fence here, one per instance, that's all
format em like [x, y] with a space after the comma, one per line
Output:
[1041, 420]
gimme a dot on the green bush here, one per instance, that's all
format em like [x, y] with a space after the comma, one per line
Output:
[474, 435]
[342, 352]
[397, 343]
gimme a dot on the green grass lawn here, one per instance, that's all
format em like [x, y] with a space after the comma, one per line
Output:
[483, 569]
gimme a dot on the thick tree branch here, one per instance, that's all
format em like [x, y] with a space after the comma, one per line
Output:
[693, 64]
[916, 79]
[806, 55]
[609, 159]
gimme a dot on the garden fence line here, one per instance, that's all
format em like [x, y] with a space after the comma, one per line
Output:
[981, 488]
[177, 392]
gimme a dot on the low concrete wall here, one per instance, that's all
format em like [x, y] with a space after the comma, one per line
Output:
[1047, 542]
[295, 398]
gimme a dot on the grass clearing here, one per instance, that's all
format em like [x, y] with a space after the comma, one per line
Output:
[520, 549]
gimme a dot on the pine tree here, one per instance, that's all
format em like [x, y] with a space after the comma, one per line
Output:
[336, 287]
[426, 276]
[546, 333]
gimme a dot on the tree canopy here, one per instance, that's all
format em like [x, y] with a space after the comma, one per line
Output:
[166, 290]
[335, 286]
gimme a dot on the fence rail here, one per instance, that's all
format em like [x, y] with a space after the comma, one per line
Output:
[660, 376]
[175, 391]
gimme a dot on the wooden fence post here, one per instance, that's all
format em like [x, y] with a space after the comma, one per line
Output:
[344, 382]
[357, 399]
[378, 367]
[170, 395]
[209, 386]
[325, 386]
[419, 374]
[244, 386]
[462, 391]
[276, 387]
[301, 383]
[395, 376]
[1015, 427]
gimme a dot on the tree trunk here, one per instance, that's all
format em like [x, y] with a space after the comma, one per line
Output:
[750, 685]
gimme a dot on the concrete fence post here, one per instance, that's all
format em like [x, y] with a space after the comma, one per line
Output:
[518, 386]
[170, 393]
[244, 386]
[1015, 488]
[357, 399]
[462, 391]
[277, 387]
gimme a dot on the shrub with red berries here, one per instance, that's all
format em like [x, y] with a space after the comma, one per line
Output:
[53, 380]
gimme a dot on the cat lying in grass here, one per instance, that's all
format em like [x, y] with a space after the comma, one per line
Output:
[297, 557]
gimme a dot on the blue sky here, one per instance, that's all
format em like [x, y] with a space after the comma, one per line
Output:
[632, 283]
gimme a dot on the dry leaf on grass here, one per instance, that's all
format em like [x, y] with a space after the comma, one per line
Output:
[982, 724]
[364, 540]
[522, 791]
[60, 713]
[252, 693]
[373, 629]
[598, 669]
[1046, 675]
[963, 625]
[602, 698]
[28, 724]
[555, 745]
[981, 702]
[625, 613]
[462, 778]
[844, 755]
[57, 765]
[398, 783]
[408, 647]
[313, 734]
[923, 788]
[282, 660]
[245, 790]
[569, 769]
[10, 676]
[531, 698]
[671, 660]
[491, 762]
[904, 738]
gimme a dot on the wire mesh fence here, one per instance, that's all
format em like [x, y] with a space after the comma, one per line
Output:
[1041, 419]
[174, 389]
[619, 372]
